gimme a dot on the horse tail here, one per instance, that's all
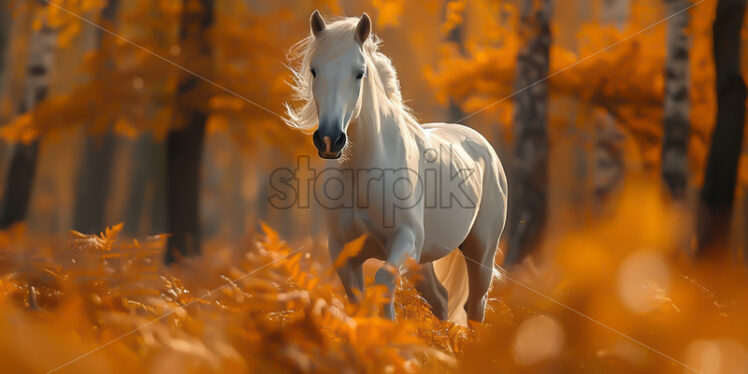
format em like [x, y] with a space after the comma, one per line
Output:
[451, 271]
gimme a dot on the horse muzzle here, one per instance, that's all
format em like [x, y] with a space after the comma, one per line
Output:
[329, 146]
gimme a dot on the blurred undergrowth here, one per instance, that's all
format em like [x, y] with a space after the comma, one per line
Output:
[265, 308]
[269, 307]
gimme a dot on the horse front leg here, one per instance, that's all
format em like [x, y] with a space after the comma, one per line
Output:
[351, 274]
[397, 250]
[352, 277]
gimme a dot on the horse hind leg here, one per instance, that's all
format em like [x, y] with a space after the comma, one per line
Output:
[432, 290]
[479, 249]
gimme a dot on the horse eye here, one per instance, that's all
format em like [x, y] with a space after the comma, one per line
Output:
[360, 75]
[314, 73]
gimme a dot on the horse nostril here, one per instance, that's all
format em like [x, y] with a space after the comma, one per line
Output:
[317, 139]
[340, 142]
[329, 144]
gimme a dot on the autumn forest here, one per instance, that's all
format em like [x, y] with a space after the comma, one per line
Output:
[142, 227]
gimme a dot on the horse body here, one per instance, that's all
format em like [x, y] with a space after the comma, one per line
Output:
[471, 161]
[415, 191]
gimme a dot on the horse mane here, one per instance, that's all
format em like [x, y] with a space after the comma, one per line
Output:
[337, 35]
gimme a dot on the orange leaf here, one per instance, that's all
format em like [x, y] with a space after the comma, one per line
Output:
[349, 250]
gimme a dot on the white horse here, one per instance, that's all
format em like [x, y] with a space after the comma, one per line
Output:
[415, 191]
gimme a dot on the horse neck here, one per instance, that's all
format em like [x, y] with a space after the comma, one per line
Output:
[377, 122]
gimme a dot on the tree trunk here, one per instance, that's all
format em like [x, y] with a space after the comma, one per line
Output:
[17, 194]
[677, 104]
[144, 214]
[94, 173]
[721, 168]
[530, 172]
[5, 30]
[184, 144]
[454, 112]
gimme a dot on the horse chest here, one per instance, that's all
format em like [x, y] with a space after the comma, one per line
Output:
[372, 218]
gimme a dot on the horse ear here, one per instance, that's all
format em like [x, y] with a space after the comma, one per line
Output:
[317, 23]
[363, 29]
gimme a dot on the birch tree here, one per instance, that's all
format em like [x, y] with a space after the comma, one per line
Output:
[17, 193]
[677, 103]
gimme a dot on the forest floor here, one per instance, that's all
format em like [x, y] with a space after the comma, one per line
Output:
[615, 296]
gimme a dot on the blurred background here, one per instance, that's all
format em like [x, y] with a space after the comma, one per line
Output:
[100, 126]
[619, 123]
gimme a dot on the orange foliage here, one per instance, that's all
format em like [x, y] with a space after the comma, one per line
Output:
[619, 70]
[615, 297]
[133, 76]
[270, 308]
[453, 16]
[618, 296]
[388, 12]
